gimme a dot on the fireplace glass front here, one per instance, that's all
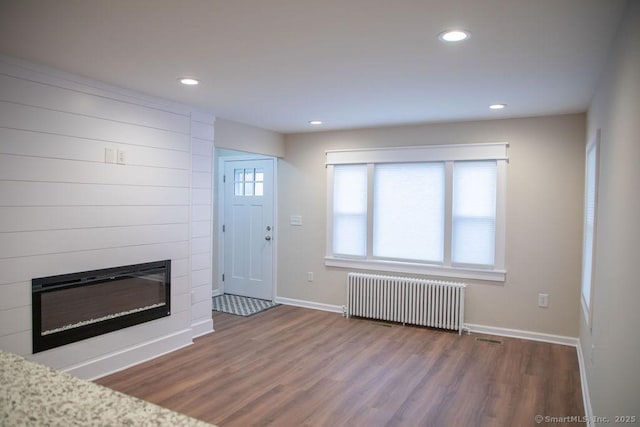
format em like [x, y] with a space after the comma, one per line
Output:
[76, 306]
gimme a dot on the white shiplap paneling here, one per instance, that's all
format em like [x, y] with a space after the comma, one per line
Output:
[64, 209]
[202, 136]
[200, 278]
[200, 245]
[23, 269]
[26, 193]
[40, 218]
[26, 117]
[46, 145]
[201, 213]
[21, 168]
[18, 90]
[30, 243]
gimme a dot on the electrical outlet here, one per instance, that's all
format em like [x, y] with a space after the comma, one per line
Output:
[543, 300]
[310, 276]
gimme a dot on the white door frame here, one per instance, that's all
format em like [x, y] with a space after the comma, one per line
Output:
[221, 219]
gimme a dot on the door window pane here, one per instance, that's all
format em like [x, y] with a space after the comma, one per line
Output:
[259, 178]
[248, 182]
[238, 182]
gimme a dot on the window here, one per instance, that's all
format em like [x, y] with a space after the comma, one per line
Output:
[433, 210]
[350, 211]
[408, 211]
[248, 182]
[474, 212]
[590, 205]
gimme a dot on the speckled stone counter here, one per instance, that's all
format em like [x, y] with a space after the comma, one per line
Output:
[35, 395]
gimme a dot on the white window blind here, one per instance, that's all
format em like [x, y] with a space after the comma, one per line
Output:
[590, 201]
[408, 211]
[474, 212]
[350, 210]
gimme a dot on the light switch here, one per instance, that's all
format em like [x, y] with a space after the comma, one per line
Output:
[543, 300]
[295, 220]
[109, 155]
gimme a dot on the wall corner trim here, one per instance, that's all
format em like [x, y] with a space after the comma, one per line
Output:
[586, 398]
[202, 327]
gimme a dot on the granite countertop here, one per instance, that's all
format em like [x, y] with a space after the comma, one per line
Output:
[36, 395]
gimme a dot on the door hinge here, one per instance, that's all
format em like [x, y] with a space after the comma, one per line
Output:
[223, 277]
[224, 178]
[224, 228]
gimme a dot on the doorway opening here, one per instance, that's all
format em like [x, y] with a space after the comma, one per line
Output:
[246, 225]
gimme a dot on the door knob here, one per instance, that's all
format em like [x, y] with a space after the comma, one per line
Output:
[267, 238]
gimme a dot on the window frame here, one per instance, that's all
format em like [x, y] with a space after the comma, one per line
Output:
[430, 153]
[590, 252]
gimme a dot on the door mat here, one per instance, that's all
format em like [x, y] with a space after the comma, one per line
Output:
[240, 306]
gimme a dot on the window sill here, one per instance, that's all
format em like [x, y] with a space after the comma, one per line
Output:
[414, 268]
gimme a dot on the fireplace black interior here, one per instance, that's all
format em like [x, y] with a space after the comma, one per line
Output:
[76, 306]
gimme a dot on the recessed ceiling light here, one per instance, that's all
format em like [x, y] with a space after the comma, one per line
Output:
[454, 35]
[189, 81]
[497, 106]
[315, 122]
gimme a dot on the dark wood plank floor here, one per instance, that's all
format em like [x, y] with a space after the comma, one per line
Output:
[291, 366]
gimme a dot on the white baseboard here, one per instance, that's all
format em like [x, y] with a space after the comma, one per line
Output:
[586, 399]
[117, 361]
[216, 292]
[553, 339]
[526, 335]
[202, 327]
[309, 304]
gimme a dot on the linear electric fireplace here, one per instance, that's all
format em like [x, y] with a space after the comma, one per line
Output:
[76, 306]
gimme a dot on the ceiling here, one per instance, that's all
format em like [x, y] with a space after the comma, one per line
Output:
[277, 64]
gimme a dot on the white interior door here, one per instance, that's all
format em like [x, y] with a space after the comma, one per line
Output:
[248, 228]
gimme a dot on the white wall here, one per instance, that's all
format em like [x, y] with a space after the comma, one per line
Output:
[612, 347]
[202, 214]
[250, 139]
[544, 217]
[63, 209]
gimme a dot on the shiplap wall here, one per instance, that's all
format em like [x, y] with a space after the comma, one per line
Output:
[63, 209]
[202, 134]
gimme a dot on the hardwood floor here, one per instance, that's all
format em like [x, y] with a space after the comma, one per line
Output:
[291, 366]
